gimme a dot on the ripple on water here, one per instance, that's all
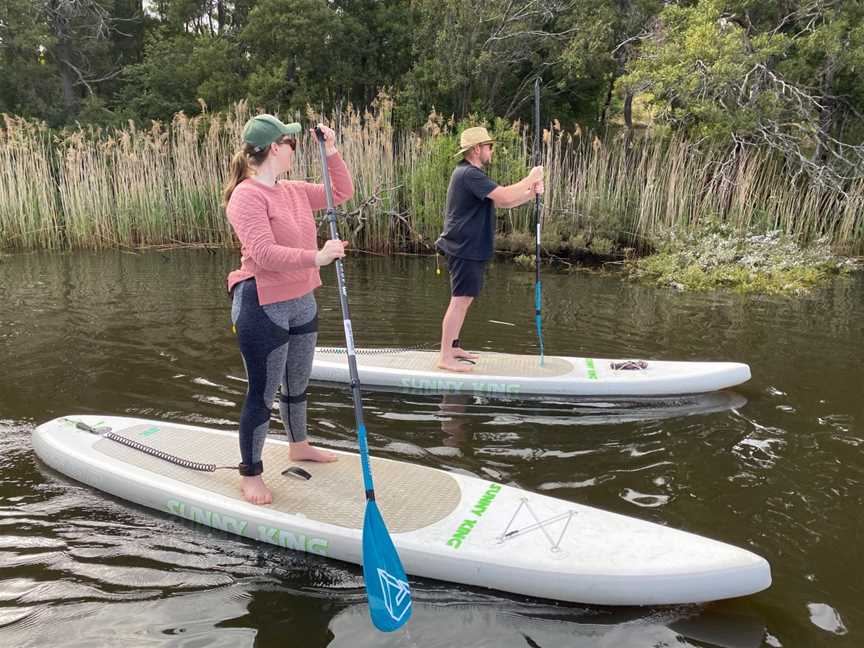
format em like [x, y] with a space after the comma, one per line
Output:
[762, 453]
[20, 614]
[444, 618]
[593, 481]
[137, 578]
[826, 617]
[644, 500]
[203, 619]
[214, 400]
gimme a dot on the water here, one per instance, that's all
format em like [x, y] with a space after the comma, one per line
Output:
[774, 465]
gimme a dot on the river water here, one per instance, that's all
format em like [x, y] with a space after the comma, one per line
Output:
[774, 465]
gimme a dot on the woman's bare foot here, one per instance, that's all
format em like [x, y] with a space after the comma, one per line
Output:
[462, 354]
[453, 364]
[302, 451]
[255, 491]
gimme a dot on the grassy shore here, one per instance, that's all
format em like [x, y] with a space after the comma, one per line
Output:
[717, 256]
[159, 186]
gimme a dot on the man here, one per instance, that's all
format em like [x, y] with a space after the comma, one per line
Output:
[468, 239]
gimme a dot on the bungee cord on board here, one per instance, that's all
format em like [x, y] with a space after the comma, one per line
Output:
[106, 433]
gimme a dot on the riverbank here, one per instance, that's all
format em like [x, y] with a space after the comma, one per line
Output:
[159, 186]
[718, 258]
[714, 258]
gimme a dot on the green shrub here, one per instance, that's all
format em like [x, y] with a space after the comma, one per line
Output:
[715, 256]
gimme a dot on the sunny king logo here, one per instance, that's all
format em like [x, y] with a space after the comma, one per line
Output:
[478, 510]
[436, 385]
[260, 532]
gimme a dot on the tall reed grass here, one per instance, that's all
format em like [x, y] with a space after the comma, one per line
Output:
[30, 214]
[132, 187]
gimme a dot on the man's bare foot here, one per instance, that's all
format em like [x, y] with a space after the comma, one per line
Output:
[255, 491]
[453, 364]
[462, 354]
[302, 451]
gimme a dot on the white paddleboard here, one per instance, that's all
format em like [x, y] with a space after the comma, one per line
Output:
[522, 375]
[446, 526]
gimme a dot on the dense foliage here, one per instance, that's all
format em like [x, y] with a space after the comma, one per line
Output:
[781, 73]
[754, 111]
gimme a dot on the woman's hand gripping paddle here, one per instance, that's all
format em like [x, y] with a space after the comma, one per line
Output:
[386, 584]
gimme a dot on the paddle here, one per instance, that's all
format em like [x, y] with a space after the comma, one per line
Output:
[386, 584]
[538, 155]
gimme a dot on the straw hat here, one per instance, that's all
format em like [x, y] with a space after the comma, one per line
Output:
[471, 137]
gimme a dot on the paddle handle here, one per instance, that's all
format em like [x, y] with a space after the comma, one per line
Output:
[346, 324]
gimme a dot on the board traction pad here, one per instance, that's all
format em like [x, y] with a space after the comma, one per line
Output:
[409, 496]
[488, 364]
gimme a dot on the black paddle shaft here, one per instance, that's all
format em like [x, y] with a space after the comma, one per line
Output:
[538, 158]
[343, 301]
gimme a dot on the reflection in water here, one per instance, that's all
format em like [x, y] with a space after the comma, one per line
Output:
[592, 411]
[452, 408]
[490, 621]
[455, 409]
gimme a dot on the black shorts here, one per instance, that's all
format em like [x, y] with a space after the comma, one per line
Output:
[466, 276]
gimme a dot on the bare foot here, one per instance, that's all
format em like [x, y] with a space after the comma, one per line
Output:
[453, 364]
[462, 354]
[302, 451]
[255, 491]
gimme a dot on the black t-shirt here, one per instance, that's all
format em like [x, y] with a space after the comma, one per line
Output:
[469, 218]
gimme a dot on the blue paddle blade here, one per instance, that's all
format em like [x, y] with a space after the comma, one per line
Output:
[386, 584]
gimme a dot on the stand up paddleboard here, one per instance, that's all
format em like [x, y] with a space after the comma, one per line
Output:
[521, 375]
[445, 526]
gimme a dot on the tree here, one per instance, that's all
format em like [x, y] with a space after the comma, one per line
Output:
[482, 56]
[376, 37]
[60, 53]
[179, 70]
[605, 38]
[81, 32]
[295, 53]
[28, 84]
[750, 74]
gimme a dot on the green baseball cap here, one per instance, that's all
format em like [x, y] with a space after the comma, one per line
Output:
[262, 130]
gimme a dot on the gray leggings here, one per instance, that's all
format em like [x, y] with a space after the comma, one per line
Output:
[277, 342]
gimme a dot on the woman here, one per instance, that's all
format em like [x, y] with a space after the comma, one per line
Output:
[273, 310]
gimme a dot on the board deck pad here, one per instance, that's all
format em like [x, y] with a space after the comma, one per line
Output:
[334, 494]
[489, 363]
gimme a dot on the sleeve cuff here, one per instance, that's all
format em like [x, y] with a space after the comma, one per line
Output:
[308, 258]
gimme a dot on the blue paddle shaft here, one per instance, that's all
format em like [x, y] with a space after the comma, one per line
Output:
[387, 588]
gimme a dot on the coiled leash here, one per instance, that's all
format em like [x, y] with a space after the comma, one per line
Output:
[106, 433]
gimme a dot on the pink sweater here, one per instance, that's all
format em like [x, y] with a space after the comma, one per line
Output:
[277, 232]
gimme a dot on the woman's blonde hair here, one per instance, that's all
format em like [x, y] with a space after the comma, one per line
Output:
[238, 169]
